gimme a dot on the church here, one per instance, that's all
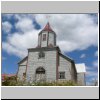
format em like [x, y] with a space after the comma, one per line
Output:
[47, 63]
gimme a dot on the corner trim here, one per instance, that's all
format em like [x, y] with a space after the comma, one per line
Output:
[57, 64]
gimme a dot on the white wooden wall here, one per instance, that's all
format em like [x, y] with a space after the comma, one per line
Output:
[81, 79]
[22, 69]
[65, 66]
[51, 39]
[48, 63]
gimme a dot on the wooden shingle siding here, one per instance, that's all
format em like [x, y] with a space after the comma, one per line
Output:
[48, 63]
[73, 72]
[22, 68]
[65, 66]
[81, 79]
[51, 39]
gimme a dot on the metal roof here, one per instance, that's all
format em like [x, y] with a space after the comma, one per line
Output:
[80, 68]
[47, 27]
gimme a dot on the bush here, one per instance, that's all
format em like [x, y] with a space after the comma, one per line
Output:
[12, 82]
[55, 83]
[9, 81]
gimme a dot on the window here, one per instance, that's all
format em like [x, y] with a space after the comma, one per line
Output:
[41, 54]
[61, 75]
[44, 37]
[40, 70]
[24, 76]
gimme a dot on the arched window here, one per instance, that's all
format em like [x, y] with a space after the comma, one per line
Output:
[40, 70]
[41, 54]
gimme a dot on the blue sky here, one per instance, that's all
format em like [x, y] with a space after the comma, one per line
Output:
[77, 37]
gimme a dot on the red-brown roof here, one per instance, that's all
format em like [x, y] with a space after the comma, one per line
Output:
[47, 27]
[9, 75]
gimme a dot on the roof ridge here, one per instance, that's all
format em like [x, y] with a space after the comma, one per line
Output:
[66, 56]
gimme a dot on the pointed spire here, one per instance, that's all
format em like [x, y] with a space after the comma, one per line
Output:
[47, 27]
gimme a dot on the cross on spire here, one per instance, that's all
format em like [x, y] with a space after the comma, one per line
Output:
[48, 17]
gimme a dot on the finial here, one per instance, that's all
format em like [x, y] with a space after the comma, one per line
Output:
[48, 18]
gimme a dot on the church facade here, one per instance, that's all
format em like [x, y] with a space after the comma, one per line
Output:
[46, 62]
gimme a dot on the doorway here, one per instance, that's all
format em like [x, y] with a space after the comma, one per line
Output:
[40, 74]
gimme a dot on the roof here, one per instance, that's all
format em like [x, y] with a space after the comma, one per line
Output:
[47, 28]
[6, 75]
[66, 57]
[9, 75]
[44, 49]
[80, 68]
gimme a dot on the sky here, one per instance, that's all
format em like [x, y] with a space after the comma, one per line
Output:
[77, 37]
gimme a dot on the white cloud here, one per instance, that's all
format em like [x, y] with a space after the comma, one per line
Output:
[96, 53]
[26, 37]
[18, 43]
[91, 73]
[8, 16]
[83, 56]
[6, 26]
[13, 50]
[74, 32]
[23, 16]
[95, 63]
[92, 82]
[24, 25]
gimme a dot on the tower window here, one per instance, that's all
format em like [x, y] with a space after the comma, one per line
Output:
[41, 54]
[61, 75]
[44, 37]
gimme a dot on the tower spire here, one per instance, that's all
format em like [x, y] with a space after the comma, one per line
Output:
[47, 37]
[47, 27]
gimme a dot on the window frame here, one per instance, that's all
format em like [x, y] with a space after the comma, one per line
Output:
[61, 75]
[41, 54]
[44, 37]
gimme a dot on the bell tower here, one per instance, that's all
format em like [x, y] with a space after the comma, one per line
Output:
[47, 37]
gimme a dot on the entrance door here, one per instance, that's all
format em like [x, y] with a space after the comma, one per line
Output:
[40, 74]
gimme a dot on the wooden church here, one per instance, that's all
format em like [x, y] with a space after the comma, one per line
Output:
[46, 62]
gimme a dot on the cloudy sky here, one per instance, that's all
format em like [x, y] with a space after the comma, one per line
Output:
[77, 37]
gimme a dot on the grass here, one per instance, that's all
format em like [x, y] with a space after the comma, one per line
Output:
[12, 81]
[21, 83]
[57, 83]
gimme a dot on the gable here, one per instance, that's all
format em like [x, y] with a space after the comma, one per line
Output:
[23, 61]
